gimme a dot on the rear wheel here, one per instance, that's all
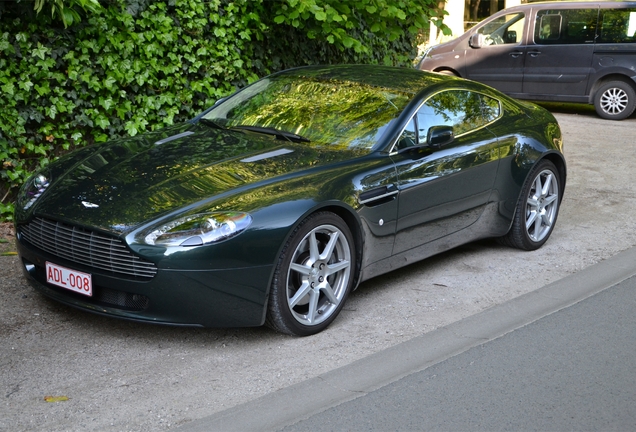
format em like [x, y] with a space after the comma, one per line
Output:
[615, 100]
[537, 209]
[313, 276]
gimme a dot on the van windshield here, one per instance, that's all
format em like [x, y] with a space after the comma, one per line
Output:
[506, 29]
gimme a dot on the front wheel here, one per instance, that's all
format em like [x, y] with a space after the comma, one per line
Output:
[615, 100]
[313, 276]
[537, 209]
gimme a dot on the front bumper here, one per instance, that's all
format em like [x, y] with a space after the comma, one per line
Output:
[210, 298]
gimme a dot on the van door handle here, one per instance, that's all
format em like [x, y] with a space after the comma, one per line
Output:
[534, 53]
[516, 54]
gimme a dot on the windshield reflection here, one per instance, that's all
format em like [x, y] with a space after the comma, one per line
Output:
[322, 109]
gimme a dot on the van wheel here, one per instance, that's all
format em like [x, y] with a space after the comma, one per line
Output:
[615, 100]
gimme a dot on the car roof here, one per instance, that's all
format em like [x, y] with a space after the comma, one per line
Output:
[405, 80]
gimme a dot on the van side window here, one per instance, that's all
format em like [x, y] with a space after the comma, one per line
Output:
[507, 29]
[617, 26]
[574, 26]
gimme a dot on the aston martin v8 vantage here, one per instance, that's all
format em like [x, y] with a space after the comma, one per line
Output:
[274, 204]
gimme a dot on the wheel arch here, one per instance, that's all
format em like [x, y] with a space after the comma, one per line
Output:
[615, 76]
[353, 222]
[559, 163]
[446, 70]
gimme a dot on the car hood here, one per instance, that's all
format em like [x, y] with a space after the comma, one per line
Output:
[119, 185]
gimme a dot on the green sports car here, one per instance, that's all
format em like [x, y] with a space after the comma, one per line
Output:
[276, 202]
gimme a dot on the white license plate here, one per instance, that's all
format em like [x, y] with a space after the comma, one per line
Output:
[73, 280]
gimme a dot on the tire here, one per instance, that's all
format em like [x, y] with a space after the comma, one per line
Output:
[537, 210]
[313, 276]
[615, 100]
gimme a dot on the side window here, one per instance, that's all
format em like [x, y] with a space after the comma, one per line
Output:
[507, 29]
[574, 26]
[491, 108]
[463, 110]
[618, 26]
[408, 138]
[457, 108]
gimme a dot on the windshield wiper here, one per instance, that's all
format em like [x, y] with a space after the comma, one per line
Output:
[211, 123]
[289, 136]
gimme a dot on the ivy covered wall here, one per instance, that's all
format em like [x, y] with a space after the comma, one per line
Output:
[138, 65]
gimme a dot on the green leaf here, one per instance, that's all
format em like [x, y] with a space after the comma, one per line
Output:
[106, 103]
[8, 88]
[102, 121]
[40, 51]
[131, 128]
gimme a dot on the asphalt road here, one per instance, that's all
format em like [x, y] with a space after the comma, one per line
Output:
[559, 358]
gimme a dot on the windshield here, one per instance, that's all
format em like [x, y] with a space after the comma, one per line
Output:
[345, 114]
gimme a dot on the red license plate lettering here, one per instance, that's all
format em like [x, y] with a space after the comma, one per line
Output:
[73, 280]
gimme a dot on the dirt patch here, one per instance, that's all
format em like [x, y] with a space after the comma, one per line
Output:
[7, 238]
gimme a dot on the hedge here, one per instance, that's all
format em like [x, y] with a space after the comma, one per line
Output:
[138, 65]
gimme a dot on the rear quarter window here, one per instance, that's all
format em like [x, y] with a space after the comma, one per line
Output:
[574, 26]
[617, 26]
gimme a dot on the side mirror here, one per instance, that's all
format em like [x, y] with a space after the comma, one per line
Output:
[439, 136]
[511, 36]
[476, 40]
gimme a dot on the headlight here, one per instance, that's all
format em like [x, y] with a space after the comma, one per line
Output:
[33, 188]
[198, 229]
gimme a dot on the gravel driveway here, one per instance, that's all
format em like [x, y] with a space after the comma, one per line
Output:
[122, 376]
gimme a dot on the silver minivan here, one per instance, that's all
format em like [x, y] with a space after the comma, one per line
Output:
[557, 51]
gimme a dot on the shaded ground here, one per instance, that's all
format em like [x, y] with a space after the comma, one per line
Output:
[119, 375]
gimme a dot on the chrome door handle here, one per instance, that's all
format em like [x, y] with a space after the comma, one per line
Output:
[377, 194]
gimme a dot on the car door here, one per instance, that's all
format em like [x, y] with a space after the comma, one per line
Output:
[443, 190]
[559, 61]
[496, 55]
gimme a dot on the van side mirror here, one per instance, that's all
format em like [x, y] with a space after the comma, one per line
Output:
[439, 136]
[476, 40]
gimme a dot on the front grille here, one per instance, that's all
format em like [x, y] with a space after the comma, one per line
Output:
[86, 247]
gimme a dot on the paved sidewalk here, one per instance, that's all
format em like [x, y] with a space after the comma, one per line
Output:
[516, 366]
